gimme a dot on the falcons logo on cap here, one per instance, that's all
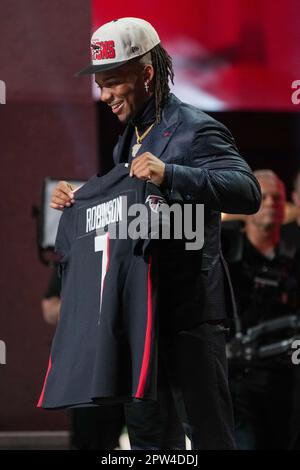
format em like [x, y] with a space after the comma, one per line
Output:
[155, 202]
[102, 49]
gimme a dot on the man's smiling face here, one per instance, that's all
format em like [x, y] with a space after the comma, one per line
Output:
[123, 89]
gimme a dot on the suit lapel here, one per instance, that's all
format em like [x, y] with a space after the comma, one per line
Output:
[159, 136]
[159, 139]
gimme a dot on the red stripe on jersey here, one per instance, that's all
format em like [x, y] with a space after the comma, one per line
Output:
[39, 405]
[147, 347]
[108, 241]
[103, 275]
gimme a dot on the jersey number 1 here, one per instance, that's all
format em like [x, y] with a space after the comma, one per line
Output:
[102, 245]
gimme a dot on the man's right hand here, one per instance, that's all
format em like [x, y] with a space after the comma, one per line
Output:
[62, 196]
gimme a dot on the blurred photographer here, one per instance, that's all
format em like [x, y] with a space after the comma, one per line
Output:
[290, 233]
[266, 286]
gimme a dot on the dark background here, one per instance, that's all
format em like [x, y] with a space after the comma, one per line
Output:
[47, 128]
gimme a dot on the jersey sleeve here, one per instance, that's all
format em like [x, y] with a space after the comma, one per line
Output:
[65, 233]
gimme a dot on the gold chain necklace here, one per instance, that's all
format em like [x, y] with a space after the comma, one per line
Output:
[139, 138]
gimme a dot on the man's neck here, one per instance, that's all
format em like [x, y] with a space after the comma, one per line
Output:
[145, 113]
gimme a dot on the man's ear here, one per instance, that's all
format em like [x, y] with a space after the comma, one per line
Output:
[148, 72]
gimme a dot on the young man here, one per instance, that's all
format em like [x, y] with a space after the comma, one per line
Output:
[193, 158]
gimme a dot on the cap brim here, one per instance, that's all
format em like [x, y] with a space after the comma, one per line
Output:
[100, 68]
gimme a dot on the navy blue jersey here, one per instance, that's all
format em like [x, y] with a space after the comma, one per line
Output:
[105, 345]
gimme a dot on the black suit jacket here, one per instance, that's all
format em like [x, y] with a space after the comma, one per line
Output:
[203, 165]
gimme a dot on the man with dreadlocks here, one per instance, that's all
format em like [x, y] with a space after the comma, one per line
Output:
[192, 158]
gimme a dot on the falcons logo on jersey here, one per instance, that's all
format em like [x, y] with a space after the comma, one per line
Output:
[155, 202]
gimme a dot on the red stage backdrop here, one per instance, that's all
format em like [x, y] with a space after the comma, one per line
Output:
[229, 54]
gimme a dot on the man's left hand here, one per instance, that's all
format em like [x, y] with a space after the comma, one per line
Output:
[148, 167]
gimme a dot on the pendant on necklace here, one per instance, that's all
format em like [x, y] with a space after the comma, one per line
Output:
[135, 149]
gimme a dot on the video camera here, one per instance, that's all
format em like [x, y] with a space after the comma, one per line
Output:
[254, 344]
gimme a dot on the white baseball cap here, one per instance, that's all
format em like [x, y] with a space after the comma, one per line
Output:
[119, 41]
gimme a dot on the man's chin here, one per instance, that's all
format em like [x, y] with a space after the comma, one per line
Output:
[123, 119]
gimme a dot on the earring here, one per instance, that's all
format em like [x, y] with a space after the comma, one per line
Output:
[147, 86]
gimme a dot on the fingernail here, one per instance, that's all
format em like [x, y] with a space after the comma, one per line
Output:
[68, 204]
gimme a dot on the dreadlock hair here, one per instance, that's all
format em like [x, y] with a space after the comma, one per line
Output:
[162, 64]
